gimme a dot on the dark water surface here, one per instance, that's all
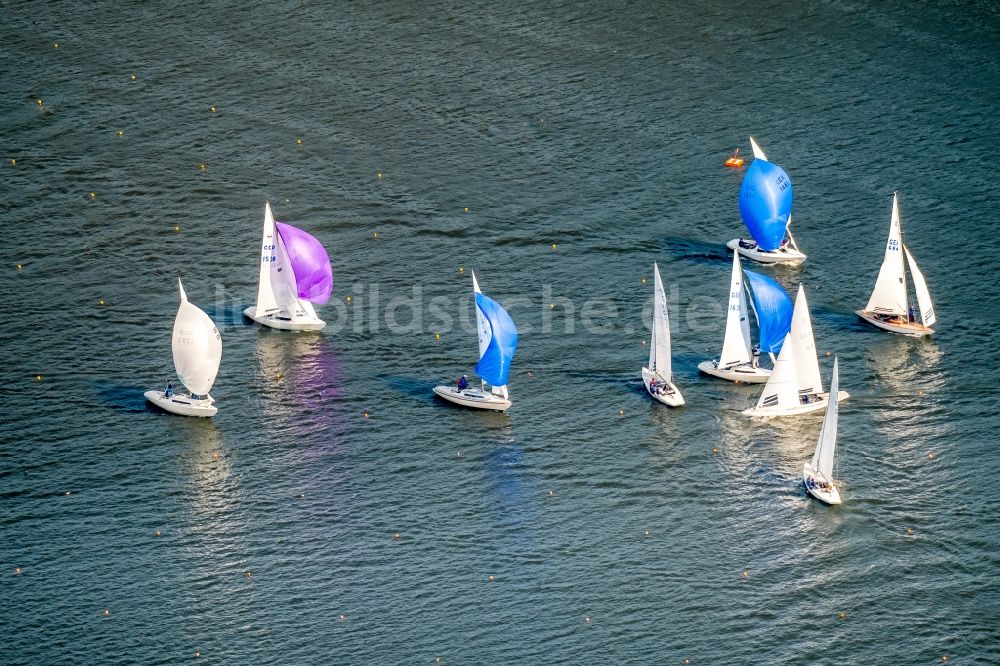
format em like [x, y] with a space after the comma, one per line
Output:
[598, 127]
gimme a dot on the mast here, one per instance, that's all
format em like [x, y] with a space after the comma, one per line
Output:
[906, 291]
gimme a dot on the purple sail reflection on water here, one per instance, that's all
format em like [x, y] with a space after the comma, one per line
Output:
[310, 263]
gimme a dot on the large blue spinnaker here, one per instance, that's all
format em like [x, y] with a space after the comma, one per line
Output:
[773, 308]
[766, 203]
[494, 364]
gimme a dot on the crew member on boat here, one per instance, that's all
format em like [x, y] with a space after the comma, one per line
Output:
[463, 383]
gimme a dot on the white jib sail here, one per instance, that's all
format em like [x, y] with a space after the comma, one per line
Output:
[889, 295]
[806, 361]
[781, 391]
[736, 346]
[758, 154]
[483, 327]
[283, 287]
[822, 462]
[265, 295]
[659, 345]
[197, 347]
[927, 315]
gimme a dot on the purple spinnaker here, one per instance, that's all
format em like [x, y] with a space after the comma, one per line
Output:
[310, 263]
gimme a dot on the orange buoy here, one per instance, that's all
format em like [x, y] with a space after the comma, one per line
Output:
[735, 161]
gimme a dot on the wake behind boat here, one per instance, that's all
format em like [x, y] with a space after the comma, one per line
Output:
[766, 209]
[295, 273]
[889, 306]
[497, 344]
[817, 475]
[739, 362]
[197, 349]
[657, 376]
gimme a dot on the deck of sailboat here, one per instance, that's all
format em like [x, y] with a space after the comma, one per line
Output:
[282, 320]
[897, 325]
[786, 255]
[744, 373]
[820, 401]
[670, 396]
[182, 404]
[472, 397]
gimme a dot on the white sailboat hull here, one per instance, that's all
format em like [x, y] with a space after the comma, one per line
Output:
[897, 325]
[830, 495]
[181, 404]
[743, 373]
[670, 395]
[785, 255]
[472, 397]
[284, 321]
[820, 401]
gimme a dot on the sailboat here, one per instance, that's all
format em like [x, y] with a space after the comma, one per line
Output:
[795, 385]
[657, 376]
[295, 273]
[197, 348]
[818, 474]
[739, 362]
[497, 344]
[889, 307]
[766, 209]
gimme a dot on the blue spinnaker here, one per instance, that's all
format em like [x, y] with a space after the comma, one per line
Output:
[766, 203]
[494, 365]
[773, 309]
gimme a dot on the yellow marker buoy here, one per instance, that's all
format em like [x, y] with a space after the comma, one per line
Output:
[375, 234]
[55, 45]
[685, 661]
[461, 269]
[287, 200]
[552, 493]
[909, 531]
[645, 533]
[552, 306]
[365, 414]
[17, 571]
[215, 456]
[248, 574]
[341, 617]
[378, 174]
[13, 162]
[202, 166]
[437, 660]
[621, 412]
[530, 373]
[177, 229]
[298, 141]
[277, 376]
[93, 195]
[121, 133]
[437, 336]
[107, 613]
[553, 246]
[67, 493]
[348, 299]
[396, 536]
[489, 578]
[930, 456]
[643, 343]
[213, 108]
[586, 618]
[38, 378]
[156, 533]
[746, 573]
[20, 267]
[458, 454]
[132, 77]
[197, 653]
[944, 659]
[100, 302]
[466, 209]
[38, 101]
[715, 450]
[644, 280]
[842, 616]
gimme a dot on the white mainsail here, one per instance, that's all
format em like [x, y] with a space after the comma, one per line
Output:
[197, 347]
[927, 316]
[781, 390]
[659, 344]
[758, 154]
[736, 346]
[889, 295]
[822, 462]
[266, 303]
[806, 361]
